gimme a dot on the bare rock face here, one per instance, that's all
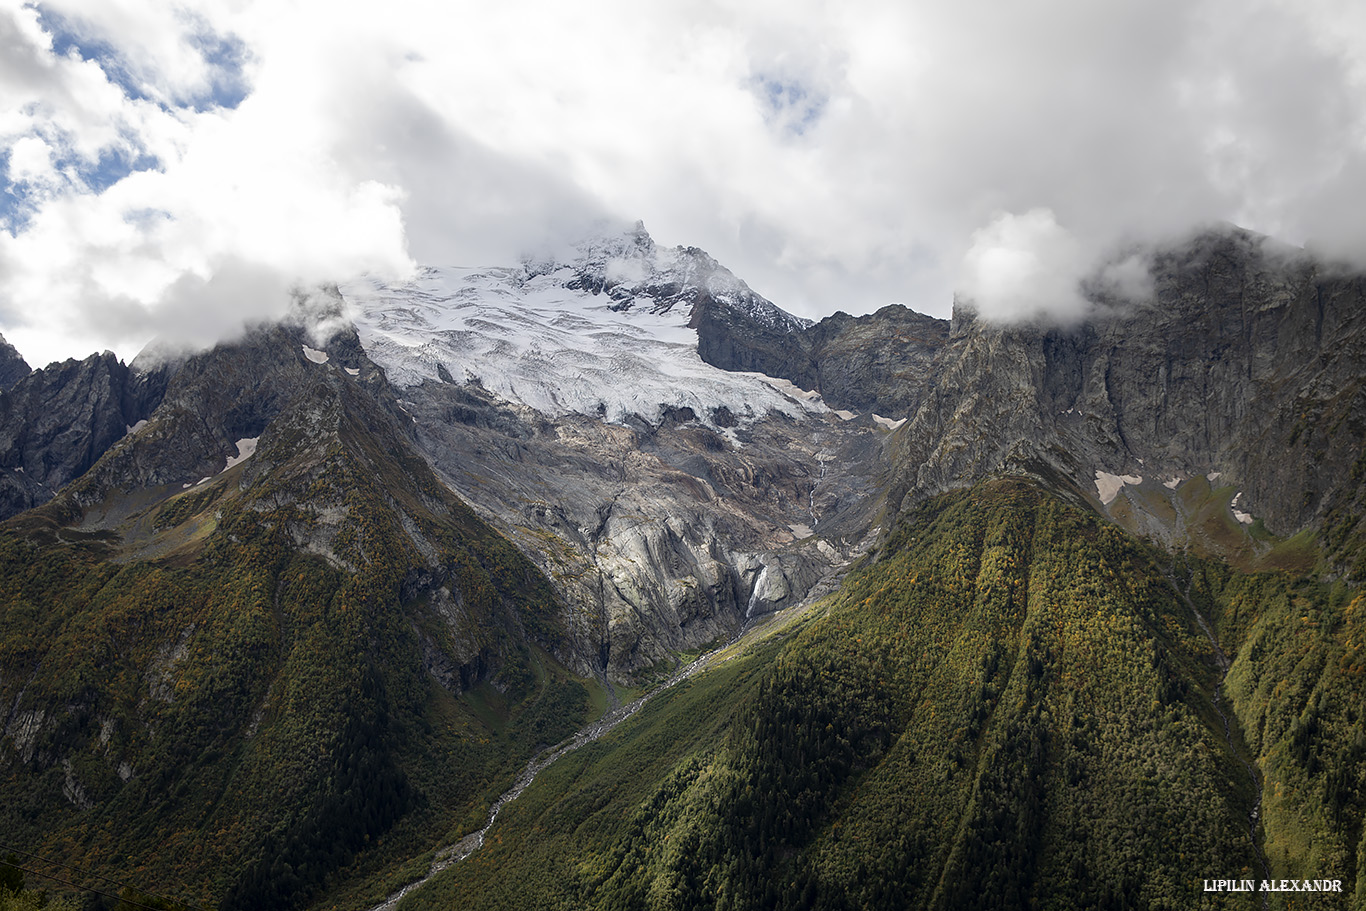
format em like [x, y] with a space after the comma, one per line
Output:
[877, 363]
[56, 422]
[733, 339]
[659, 538]
[13, 367]
[1244, 364]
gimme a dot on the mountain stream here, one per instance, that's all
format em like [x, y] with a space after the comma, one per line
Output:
[453, 854]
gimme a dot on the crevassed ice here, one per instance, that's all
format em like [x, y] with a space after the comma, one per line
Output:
[560, 351]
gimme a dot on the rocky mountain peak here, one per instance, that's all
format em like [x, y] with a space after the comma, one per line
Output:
[635, 272]
[13, 367]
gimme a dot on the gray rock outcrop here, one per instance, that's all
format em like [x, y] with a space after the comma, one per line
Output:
[56, 422]
[13, 367]
[881, 363]
[1246, 362]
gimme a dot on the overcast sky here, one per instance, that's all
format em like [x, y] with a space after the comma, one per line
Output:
[173, 168]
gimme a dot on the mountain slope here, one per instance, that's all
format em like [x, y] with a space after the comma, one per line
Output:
[1009, 709]
[245, 683]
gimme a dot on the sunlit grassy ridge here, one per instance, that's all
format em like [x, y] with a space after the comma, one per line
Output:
[1298, 682]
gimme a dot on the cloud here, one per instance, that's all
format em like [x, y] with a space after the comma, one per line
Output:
[1022, 267]
[248, 200]
[1027, 267]
[832, 155]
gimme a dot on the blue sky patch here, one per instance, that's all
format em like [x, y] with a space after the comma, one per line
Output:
[19, 200]
[224, 55]
[66, 40]
[8, 201]
[113, 165]
[789, 104]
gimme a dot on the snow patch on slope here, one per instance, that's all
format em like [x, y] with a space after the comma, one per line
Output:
[1109, 485]
[246, 448]
[888, 422]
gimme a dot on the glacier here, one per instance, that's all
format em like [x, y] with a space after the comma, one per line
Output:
[605, 335]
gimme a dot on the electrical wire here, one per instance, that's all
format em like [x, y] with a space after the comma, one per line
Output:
[108, 879]
[67, 882]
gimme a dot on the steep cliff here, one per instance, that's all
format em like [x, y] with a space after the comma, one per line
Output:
[1244, 365]
[882, 363]
[56, 422]
[13, 367]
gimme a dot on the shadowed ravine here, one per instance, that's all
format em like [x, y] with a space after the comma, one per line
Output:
[453, 854]
[1254, 817]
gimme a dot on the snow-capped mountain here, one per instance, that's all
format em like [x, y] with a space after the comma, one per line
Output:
[634, 271]
[608, 333]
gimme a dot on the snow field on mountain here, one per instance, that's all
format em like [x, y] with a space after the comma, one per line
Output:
[554, 349]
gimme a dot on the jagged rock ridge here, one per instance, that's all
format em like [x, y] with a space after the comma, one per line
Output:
[1244, 364]
[13, 367]
[56, 422]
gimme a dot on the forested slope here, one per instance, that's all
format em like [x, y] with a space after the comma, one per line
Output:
[308, 667]
[1012, 707]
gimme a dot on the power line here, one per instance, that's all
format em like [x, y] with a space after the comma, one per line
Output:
[67, 882]
[108, 879]
[58, 863]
